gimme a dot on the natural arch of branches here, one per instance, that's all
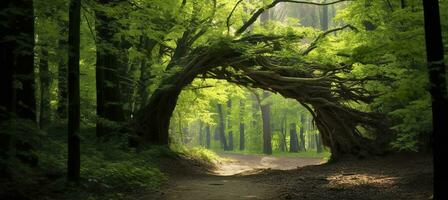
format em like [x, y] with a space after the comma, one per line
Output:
[259, 61]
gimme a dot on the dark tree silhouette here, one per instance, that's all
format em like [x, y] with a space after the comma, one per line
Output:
[74, 162]
[109, 62]
[17, 59]
[438, 90]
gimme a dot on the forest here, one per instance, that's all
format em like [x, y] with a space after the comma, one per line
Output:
[223, 99]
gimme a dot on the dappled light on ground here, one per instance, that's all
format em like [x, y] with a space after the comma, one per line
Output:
[345, 180]
[249, 164]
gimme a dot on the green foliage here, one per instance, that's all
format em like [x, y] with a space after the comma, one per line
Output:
[109, 168]
[123, 175]
[389, 44]
[197, 153]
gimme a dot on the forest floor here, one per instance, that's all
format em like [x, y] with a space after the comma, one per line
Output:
[266, 177]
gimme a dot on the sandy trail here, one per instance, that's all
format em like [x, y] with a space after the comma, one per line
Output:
[227, 182]
[240, 163]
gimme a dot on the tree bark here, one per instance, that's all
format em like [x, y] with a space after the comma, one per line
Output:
[282, 131]
[154, 118]
[438, 90]
[17, 59]
[74, 162]
[319, 147]
[229, 124]
[293, 142]
[201, 137]
[242, 136]
[222, 131]
[324, 17]
[230, 141]
[207, 136]
[302, 132]
[266, 117]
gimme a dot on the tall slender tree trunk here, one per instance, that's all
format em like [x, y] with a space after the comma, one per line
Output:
[17, 59]
[438, 90]
[293, 141]
[180, 129]
[281, 141]
[45, 87]
[242, 136]
[207, 136]
[229, 125]
[324, 17]
[74, 162]
[319, 146]
[230, 141]
[266, 108]
[222, 131]
[266, 117]
[201, 137]
[17, 68]
[216, 133]
[403, 4]
[302, 133]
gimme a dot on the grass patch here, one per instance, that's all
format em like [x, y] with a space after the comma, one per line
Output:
[197, 153]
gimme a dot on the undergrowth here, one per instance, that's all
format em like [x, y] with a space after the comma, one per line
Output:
[109, 169]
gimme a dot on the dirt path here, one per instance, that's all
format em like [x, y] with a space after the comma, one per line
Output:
[240, 163]
[400, 176]
[230, 180]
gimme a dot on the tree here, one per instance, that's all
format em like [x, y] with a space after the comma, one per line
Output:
[293, 140]
[324, 94]
[324, 17]
[17, 78]
[229, 124]
[302, 133]
[108, 66]
[242, 136]
[221, 129]
[438, 88]
[266, 118]
[207, 136]
[17, 57]
[74, 162]
[201, 136]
